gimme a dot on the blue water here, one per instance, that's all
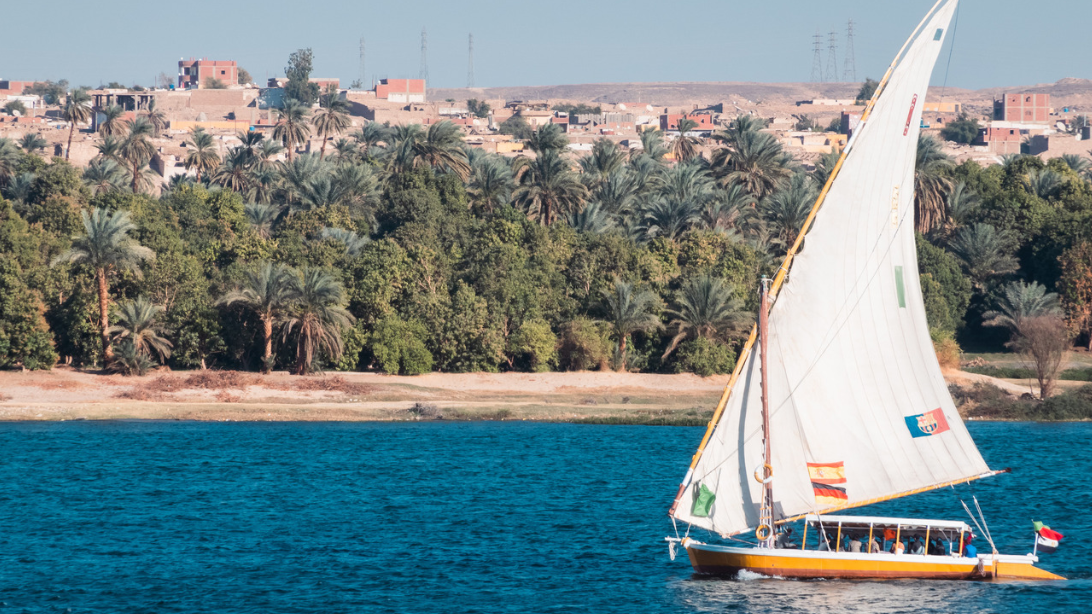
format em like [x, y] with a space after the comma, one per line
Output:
[462, 517]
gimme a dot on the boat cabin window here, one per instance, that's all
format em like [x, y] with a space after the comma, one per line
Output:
[917, 538]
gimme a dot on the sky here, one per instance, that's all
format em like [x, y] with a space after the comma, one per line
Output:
[516, 42]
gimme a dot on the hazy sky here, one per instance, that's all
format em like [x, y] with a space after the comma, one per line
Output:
[535, 43]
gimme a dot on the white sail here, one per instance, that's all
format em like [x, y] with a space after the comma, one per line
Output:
[850, 357]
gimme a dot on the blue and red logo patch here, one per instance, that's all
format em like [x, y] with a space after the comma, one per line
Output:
[929, 423]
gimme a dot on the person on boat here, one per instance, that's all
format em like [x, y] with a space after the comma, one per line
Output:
[969, 550]
[874, 547]
[936, 547]
[917, 545]
[854, 544]
[898, 547]
[783, 537]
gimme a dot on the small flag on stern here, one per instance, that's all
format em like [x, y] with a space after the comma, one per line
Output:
[1046, 540]
[929, 423]
[823, 477]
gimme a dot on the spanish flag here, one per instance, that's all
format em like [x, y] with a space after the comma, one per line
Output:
[824, 477]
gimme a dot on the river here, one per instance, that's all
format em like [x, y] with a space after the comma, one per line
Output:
[451, 517]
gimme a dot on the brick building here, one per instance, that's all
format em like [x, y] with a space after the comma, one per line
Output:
[13, 88]
[1025, 108]
[670, 121]
[401, 90]
[193, 73]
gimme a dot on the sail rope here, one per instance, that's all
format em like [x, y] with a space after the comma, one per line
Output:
[951, 51]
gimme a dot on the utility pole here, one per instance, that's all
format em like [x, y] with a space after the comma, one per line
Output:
[470, 62]
[832, 57]
[424, 54]
[850, 74]
[363, 77]
[817, 58]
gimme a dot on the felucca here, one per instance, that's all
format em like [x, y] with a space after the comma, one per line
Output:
[842, 403]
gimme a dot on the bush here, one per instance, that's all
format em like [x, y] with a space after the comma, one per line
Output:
[128, 361]
[990, 402]
[585, 345]
[705, 357]
[963, 130]
[946, 348]
[399, 347]
[534, 346]
[1071, 405]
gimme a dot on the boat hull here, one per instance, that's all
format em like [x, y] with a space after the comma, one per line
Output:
[726, 561]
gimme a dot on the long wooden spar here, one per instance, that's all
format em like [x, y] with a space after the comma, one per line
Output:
[782, 272]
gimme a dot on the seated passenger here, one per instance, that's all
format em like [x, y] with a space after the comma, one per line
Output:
[918, 546]
[783, 537]
[874, 547]
[854, 545]
[936, 547]
[898, 547]
[969, 551]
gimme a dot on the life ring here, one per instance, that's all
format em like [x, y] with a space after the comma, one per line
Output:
[760, 479]
[763, 532]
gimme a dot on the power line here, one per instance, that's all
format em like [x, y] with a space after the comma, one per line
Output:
[832, 57]
[470, 62]
[850, 74]
[424, 54]
[817, 59]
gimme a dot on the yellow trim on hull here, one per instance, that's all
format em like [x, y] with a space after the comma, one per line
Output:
[729, 561]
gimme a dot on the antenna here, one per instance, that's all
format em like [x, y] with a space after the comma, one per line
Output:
[470, 62]
[832, 57]
[850, 74]
[363, 74]
[817, 60]
[424, 54]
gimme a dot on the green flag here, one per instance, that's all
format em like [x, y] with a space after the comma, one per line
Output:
[1038, 525]
[703, 502]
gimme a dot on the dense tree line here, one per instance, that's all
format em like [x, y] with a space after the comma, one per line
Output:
[400, 249]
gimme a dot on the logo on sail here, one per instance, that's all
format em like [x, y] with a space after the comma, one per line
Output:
[824, 477]
[929, 423]
[910, 116]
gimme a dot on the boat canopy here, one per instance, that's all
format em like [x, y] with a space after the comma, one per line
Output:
[878, 522]
[859, 411]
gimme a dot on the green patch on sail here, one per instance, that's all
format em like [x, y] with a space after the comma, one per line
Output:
[703, 502]
[900, 287]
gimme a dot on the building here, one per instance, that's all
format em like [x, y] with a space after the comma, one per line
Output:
[670, 121]
[1025, 108]
[850, 121]
[193, 74]
[401, 90]
[13, 88]
[1001, 138]
[322, 82]
[943, 107]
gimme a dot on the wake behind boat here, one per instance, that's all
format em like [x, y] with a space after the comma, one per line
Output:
[842, 403]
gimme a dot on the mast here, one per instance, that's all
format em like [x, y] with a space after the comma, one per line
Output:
[766, 511]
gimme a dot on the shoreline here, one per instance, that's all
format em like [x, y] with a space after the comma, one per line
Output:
[587, 397]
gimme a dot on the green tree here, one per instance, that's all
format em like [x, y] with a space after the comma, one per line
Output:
[868, 89]
[156, 117]
[547, 187]
[931, 184]
[1020, 301]
[113, 122]
[298, 72]
[317, 317]
[25, 339]
[15, 106]
[963, 130]
[685, 147]
[516, 126]
[548, 138]
[629, 311]
[753, 160]
[705, 357]
[707, 308]
[136, 324]
[137, 150]
[292, 129]
[244, 76]
[77, 110]
[331, 120]
[533, 344]
[107, 248]
[399, 346]
[478, 108]
[268, 291]
[202, 156]
[946, 291]
[985, 252]
[212, 83]
[32, 142]
[1075, 286]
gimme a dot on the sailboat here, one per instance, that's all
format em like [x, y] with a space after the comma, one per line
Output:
[837, 400]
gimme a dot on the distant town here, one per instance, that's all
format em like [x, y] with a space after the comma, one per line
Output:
[219, 97]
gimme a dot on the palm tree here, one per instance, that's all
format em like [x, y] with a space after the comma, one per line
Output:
[606, 158]
[490, 184]
[331, 120]
[21, 187]
[32, 142]
[292, 129]
[709, 308]
[985, 252]
[318, 316]
[1078, 163]
[267, 291]
[136, 324]
[962, 203]
[262, 218]
[593, 219]
[103, 176]
[442, 148]
[265, 153]
[10, 159]
[263, 183]
[77, 110]
[157, 118]
[630, 311]
[110, 149]
[346, 151]
[755, 161]
[723, 211]
[824, 167]
[548, 137]
[1021, 300]
[234, 172]
[547, 187]
[202, 156]
[107, 247]
[652, 145]
[112, 123]
[786, 210]
[136, 149]
[1044, 183]
[352, 242]
[685, 147]
[669, 218]
[931, 184]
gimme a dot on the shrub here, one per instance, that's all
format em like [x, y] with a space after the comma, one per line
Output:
[399, 348]
[584, 345]
[1071, 405]
[947, 349]
[705, 357]
[990, 402]
[128, 361]
[534, 345]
